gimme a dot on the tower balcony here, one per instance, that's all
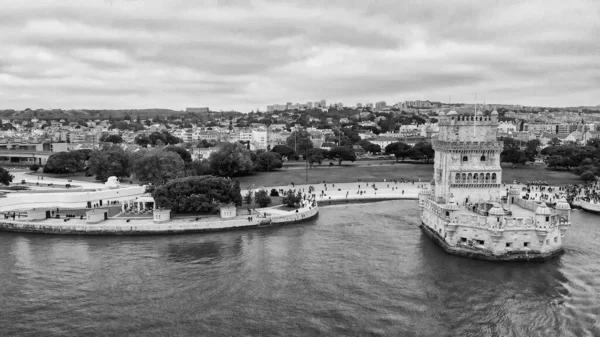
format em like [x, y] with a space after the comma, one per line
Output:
[458, 146]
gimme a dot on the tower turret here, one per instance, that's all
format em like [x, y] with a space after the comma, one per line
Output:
[496, 216]
[563, 210]
[542, 216]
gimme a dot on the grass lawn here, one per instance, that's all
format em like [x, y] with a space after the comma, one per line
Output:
[385, 170]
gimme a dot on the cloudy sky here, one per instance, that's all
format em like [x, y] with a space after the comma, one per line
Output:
[246, 54]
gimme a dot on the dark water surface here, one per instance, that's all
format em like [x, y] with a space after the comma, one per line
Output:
[359, 270]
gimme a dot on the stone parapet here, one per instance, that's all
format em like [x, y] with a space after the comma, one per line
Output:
[460, 146]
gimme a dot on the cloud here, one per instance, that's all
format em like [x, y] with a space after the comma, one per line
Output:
[244, 55]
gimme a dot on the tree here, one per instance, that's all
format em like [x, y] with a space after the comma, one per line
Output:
[514, 156]
[198, 168]
[34, 168]
[267, 161]
[262, 198]
[203, 144]
[426, 150]
[284, 151]
[554, 142]
[142, 140]
[65, 162]
[510, 143]
[196, 194]
[588, 176]
[158, 167]
[533, 144]
[183, 153]
[373, 148]
[231, 160]
[316, 156]
[292, 199]
[115, 139]
[299, 140]
[595, 142]
[5, 177]
[531, 149]
[248, 198]
[157, 138]
[108, 162]
[400, 150]
[342, 153]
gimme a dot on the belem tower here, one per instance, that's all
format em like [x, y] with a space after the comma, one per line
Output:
[469, 212]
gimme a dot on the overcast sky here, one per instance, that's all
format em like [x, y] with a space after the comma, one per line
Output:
[246, 54]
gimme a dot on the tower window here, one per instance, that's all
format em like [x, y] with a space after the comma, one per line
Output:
[547, 218]
[482, 158]
[465, 158]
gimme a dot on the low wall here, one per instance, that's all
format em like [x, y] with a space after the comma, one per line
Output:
[357, 198]
[110, 227]
[527, 204]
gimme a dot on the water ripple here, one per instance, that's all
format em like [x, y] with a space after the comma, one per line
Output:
[357, 270]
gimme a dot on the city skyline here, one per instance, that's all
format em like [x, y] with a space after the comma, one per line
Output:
[243, 56]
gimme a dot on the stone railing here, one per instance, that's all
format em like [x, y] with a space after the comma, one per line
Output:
[527, 204]
[485, 146]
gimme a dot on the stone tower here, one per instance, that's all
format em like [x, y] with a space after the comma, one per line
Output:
[467, 158]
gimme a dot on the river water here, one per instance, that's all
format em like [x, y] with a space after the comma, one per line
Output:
[358, 270]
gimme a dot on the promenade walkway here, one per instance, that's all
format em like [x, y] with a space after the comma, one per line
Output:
[363, 191]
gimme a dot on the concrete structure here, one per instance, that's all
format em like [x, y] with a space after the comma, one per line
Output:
[112, 182]
[24, 157]
[21, 201]
[465, 213]
[96, 215]
[161, 215]
[38, 214]
[228, 211]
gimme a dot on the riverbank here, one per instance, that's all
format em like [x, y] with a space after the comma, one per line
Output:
[116, 226]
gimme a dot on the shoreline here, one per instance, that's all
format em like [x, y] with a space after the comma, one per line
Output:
[325, 195]
[114, 227]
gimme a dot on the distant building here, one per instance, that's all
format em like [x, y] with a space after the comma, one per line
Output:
[380, 105]
[197, 110]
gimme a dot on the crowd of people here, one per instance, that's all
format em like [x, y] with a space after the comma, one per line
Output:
[586, 192]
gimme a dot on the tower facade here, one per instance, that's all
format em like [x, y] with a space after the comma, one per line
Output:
[467, 158]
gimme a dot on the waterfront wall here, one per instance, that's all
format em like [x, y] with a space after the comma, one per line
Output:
[176, 226]
[483, 254]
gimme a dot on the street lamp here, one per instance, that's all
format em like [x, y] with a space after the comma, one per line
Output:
[306, 168]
